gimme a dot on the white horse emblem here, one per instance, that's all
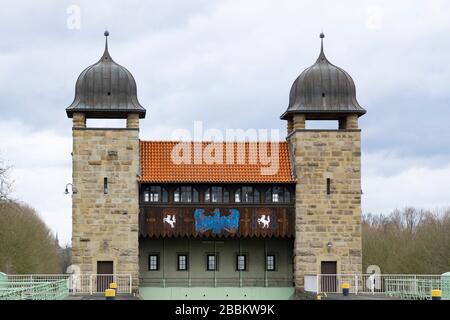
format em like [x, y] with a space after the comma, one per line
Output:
[170, 219]
[264, 221]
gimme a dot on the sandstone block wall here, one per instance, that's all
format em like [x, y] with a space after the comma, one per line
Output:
[321, 218]
[105, 226]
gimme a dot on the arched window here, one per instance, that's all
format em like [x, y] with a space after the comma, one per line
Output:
[165, 195]
[249, 195]
[195, 196]
[256, 197]
[277, 195]
[226, 196]
[237, 195]
[186, 194]
[217, 194]
[155, 194]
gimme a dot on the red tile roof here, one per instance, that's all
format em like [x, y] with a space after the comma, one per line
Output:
[238, 162]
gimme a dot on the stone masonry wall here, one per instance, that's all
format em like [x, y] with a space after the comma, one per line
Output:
[322, 218]
[105, 226]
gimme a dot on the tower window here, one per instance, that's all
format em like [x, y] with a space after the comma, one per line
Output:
[105, 185]
[328, 186]
[323, 94]
[109, 93]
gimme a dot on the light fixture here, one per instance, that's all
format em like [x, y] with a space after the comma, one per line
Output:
[329, 246]
[66, 191]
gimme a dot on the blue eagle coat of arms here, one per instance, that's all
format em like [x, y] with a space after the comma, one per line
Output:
[216, 222]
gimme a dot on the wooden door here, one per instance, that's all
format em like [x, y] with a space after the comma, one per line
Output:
[328, 269]
[105, 269]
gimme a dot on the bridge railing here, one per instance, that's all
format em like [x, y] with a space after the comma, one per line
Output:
[404, 286]
[44, 290]
[76, 283]
[215, 282]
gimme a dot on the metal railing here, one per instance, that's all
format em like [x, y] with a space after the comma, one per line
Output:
[404, 286]
[44, 290]
[216, 282]
[76, 283]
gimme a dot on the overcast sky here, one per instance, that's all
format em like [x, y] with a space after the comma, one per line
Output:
[230, 64]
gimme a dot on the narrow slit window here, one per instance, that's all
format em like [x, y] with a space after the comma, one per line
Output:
[328, 186]
[105, 185]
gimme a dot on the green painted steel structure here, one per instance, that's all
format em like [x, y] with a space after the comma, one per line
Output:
[445, 286]
[33, 290]
[226, 274]
[208, 293]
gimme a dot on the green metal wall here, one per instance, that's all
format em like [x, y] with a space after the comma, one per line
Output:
[254, 248]
[247, 293]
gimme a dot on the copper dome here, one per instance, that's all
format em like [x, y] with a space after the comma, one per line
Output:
[323, 89]
[106, 90]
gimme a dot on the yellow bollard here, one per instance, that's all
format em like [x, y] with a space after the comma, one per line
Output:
[345, 288]
[436, 294]
[110, 294]
[113, 285]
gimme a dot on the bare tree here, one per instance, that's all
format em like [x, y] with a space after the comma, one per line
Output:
[409, 240]
[5, 181]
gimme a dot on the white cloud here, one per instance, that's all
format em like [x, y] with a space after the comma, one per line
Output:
[407, 185]
[231, 65]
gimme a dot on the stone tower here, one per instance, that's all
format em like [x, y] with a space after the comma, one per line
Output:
[105, 164]
[327, 165]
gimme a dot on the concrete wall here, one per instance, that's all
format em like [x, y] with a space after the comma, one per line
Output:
[105, 226]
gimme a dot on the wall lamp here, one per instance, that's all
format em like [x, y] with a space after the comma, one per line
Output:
[329, 246]
[66, 191]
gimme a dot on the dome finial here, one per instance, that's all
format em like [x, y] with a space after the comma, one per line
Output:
[106, 34]
[322, 54]
[322, 35]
